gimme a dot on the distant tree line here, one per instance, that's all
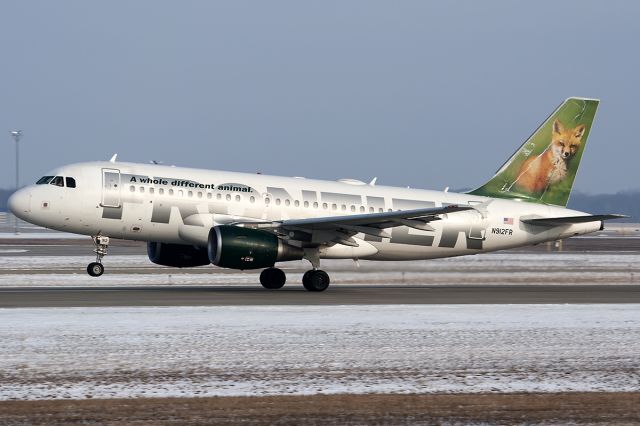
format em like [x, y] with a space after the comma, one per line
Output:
[626, 202]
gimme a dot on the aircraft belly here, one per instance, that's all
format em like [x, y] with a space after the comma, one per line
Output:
[390, 251]
[364, 250]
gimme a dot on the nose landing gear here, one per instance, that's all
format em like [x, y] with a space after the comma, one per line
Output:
[95, 269]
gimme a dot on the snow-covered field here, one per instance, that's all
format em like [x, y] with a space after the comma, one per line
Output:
[482, 269]
[204, 351]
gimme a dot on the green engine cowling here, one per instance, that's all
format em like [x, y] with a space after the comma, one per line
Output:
[245, 248]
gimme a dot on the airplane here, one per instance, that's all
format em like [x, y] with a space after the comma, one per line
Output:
[192, 217]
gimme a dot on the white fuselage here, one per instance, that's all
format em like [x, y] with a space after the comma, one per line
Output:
[180, 205]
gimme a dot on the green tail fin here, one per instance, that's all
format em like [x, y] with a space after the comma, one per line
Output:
[543, 169]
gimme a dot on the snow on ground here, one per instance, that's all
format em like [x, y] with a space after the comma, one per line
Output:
[205, 351]
[482, 269]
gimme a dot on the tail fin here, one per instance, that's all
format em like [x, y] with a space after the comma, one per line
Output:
[543, 169]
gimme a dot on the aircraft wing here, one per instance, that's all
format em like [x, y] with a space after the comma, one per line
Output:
[568, 220]
[377, 220]
[340, 229]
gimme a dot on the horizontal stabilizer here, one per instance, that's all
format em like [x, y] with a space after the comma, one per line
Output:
[558, 221]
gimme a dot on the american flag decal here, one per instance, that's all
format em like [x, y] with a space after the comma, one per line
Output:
[508, 221]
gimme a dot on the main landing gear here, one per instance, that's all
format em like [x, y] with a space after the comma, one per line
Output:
[95, 269]
[272, 278]
[314, 280]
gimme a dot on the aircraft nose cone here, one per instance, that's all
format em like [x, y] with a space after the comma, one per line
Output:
[20, 203]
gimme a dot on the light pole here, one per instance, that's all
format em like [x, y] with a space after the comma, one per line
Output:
[17, 134]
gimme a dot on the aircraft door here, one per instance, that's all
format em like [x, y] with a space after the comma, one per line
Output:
[110, 188]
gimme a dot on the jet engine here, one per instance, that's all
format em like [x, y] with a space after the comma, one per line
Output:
[245, 248]
[177, 255]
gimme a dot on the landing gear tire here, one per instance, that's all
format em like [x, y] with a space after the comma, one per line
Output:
[272, 278]
[95, 269]
[316, 280]
[306, 276]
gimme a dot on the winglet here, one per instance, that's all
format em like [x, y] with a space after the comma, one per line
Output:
[113, 159]
[373, 181]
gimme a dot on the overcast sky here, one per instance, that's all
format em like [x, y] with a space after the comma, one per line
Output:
[418, 93]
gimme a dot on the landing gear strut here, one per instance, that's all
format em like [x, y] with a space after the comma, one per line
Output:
[315, 280]
[272, 278]
[95, 269]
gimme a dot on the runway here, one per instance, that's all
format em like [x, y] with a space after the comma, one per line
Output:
[49, 272]
[295, 295]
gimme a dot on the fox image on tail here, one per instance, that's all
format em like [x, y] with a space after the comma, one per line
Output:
[550, 167]
[544, 168]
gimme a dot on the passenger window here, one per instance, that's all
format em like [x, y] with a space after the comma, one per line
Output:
[142, 189]
[44, 180]
[267, 200]
[353, 208]
[252, 199]
[325, 206]
[361, 209]
[287, 202]
[334, 207]
[237, 198]
[199, 194]
[306, 204]
[132, 188]
[209, 195]
[228, 197]
[344, 208]
[151, 190]
[277, 201]
[161, 191]
[171, 192]
[315, 205]
[297, 203]
[57, 181]
[180, 193]
[371, 210]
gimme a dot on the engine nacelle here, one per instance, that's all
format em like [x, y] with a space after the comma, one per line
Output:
[177, 255]
[245, 248]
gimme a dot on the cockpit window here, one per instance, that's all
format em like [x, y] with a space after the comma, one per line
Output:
[71, 182]
[44, 180]
[57, 181]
